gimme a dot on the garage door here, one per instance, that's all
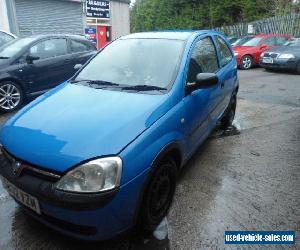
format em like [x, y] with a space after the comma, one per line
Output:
[49, 16]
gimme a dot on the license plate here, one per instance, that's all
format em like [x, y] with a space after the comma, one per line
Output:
[267, 60]
[21, 196]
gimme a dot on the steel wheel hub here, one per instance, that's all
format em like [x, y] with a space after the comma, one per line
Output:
[10, 96]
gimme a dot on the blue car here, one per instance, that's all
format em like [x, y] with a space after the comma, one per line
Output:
[99, 155]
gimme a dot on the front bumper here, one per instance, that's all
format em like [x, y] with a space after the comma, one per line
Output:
[280, 64]
[89, 217]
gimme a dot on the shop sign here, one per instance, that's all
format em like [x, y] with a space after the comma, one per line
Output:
[91, 35]
[98, 9]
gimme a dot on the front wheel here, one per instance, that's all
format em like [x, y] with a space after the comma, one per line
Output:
[159, 195]
[246, 62]
[228, 118]
[11, 96]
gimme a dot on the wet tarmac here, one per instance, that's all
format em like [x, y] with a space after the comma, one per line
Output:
[244, 178]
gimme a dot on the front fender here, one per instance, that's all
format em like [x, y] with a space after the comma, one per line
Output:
[141, 153]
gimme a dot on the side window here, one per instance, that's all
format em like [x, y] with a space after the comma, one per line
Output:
[281, 40]
[78, 46]
[270, 41]
[225, 52]
[49, 48]
[203, 59]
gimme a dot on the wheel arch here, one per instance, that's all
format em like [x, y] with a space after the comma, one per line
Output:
[15, 80]
[172, 149]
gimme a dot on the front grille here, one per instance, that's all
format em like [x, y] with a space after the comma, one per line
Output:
[271, 54]
[30, 169]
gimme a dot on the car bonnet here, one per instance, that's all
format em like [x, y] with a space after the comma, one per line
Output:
[72, 124]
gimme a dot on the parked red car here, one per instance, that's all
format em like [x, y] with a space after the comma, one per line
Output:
[248, 54]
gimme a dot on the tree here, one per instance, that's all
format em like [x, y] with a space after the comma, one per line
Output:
[199, 14]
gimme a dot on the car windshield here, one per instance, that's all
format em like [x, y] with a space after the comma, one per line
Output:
[14, 47]
[135, 62]
[253, 42]
[295, 42]
[4, 38]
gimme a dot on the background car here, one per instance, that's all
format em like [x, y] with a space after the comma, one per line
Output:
[286, 57]
[248, 54]
[32, 65]
[240, 41]
[232, 39]
[6, 37]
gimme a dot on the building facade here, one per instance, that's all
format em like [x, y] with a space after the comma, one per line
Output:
[101, 20]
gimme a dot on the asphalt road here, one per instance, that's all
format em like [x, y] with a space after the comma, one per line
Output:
[247, 178]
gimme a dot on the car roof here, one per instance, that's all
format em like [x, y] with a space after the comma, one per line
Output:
[38, 37]
[270, 35]
[168, 34]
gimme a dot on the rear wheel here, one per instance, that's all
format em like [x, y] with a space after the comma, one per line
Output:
[246, 62]
[11, 96]
[159, 195]
[228, 118]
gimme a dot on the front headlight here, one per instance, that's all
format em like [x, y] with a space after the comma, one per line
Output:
[262, 55]
[286, 56]
[95, 176]
[236, 54]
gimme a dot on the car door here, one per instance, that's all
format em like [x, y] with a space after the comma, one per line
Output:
[81, 51]
[47, 69]
[200, 103]
[227, 75]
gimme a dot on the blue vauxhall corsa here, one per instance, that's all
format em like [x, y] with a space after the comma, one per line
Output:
[99, 155]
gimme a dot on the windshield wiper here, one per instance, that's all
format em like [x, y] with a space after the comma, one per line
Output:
[95, 82]
[4, 57]
[104, 83]
[143, 88]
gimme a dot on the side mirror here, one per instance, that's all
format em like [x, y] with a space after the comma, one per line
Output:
[263, 46]
[77, 66]
[30, 58]
[203, 81]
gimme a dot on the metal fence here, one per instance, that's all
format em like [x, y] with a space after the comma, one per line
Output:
[278, 25]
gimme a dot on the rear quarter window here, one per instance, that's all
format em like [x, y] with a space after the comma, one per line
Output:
[224, 50]
[80, 46]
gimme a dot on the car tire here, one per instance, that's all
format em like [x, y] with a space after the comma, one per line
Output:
[298, 68]
[246, 62]
[228, 118]
[158, 196]
[11, 96]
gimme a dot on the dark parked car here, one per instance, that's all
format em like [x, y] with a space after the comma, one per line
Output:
[6, 37]
[286, 57]
[32, 65]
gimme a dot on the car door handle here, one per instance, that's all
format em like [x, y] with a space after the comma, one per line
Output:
[67, 60]
[222, 85]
